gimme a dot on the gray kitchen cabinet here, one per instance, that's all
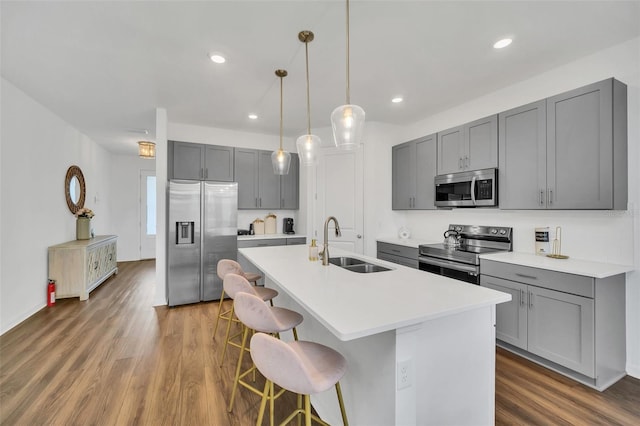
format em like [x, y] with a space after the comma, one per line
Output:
[258, 186]
[566, 152]
[522, 169]
[262, 242]
[294, 241]
[511, 317]
[413, 170]
[472, 146]
[396, 253]
[571, 323]
[200, 162]
[587, 147]
[268, 183]
[290, 187]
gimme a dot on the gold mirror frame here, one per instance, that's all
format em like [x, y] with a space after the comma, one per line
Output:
[74, 172]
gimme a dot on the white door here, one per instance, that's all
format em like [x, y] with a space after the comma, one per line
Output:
[339, 193]
[147, 214]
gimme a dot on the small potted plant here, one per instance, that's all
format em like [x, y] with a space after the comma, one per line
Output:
[83, 223]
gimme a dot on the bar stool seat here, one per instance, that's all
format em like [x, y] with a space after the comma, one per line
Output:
[232, 285]
[301, 367]
[256, 315]
[229, 266]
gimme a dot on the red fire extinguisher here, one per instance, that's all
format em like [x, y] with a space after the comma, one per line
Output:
[51, 293]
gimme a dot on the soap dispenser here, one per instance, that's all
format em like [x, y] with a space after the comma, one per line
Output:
[313, 250]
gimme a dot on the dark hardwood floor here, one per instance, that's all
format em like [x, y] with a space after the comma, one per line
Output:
[116, 360]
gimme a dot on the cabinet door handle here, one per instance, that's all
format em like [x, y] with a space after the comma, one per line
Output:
[256, 201]
[206, 173]
[542, 197]
[395, 250]
[531, 277]
[530, 300]
[466, 162]
[460, 162]
[95, 265]
[522, 297]
[550, 196]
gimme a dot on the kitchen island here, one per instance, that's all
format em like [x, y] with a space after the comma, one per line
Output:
[420, 347]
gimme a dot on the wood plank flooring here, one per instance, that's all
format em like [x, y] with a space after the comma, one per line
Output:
[117, 360]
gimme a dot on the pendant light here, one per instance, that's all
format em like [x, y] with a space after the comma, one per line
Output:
[307, 144]
[146, 149]
[281, 159]
[347, 120]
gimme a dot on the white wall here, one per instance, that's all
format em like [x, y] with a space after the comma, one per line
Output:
[605, 236]
[37, 149]
[125, 207]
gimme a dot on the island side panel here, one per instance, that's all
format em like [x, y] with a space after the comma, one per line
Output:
[368, 387]
[454, 369]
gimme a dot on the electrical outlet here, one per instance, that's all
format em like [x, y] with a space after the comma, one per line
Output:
[404, 374]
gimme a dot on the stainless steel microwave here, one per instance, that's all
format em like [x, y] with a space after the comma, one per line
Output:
[476, 188]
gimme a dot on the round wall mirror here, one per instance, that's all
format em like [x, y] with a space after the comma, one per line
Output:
[74, 189]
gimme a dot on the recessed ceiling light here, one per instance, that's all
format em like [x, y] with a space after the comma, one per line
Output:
[253, 116]
[502, 43]
[397, 99]
[217, 58]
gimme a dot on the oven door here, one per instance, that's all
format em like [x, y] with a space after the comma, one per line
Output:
[476, 188]
[448, 268]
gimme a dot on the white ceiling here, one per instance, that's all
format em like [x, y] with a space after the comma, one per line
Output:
[105, 66]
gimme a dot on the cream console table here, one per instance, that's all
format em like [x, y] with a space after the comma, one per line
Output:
[80, 266]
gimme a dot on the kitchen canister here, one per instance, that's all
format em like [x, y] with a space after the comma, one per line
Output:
[270, 224]
[258, 227]
[542, 241]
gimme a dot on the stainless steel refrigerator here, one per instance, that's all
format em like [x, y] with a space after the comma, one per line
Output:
[202, 229]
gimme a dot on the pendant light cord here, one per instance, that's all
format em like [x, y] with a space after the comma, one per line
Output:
[348, 95]
[281, 114]
[306, 52]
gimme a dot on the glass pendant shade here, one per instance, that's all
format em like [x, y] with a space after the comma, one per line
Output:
[308, 146]
[347, 122]
[281, 161]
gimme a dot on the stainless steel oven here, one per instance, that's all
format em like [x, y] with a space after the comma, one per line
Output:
[477, 188]
[459, 256]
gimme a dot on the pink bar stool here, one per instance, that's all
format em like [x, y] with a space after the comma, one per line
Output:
[301, 367]
[224, 267]
[256, 315]
[232, 285]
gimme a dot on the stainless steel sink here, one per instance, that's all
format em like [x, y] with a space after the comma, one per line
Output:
[356, 265]
[345, 261]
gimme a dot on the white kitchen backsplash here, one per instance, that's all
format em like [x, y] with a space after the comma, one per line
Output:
[602, 236]
[245, 217]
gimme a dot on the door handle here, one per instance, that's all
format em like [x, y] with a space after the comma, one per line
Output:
[542, 197]
[473, 190]
[206, 173]
[530, 300]
[359, 236]
[531, 277]
[550, 200]
[522, 297]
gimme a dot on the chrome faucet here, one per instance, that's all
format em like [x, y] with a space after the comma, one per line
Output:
[325, 248]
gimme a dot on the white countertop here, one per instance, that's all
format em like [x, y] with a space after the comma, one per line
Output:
[270, 236]
[353, 305]
[572, 266]
[409, 242]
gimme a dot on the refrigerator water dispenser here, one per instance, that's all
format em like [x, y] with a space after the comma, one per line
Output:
[184, 232]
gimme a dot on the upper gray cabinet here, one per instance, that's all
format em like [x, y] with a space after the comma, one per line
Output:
[472, 146]
[289, 186]
[259, 187]
[566, 152]
[200, 162]
[413, 170]
[522, 170]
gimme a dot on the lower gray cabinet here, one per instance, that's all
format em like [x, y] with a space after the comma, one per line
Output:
[296, 241]
[396, 253]
[571, 323]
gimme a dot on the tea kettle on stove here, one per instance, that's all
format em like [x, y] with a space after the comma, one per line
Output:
[452, 238]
